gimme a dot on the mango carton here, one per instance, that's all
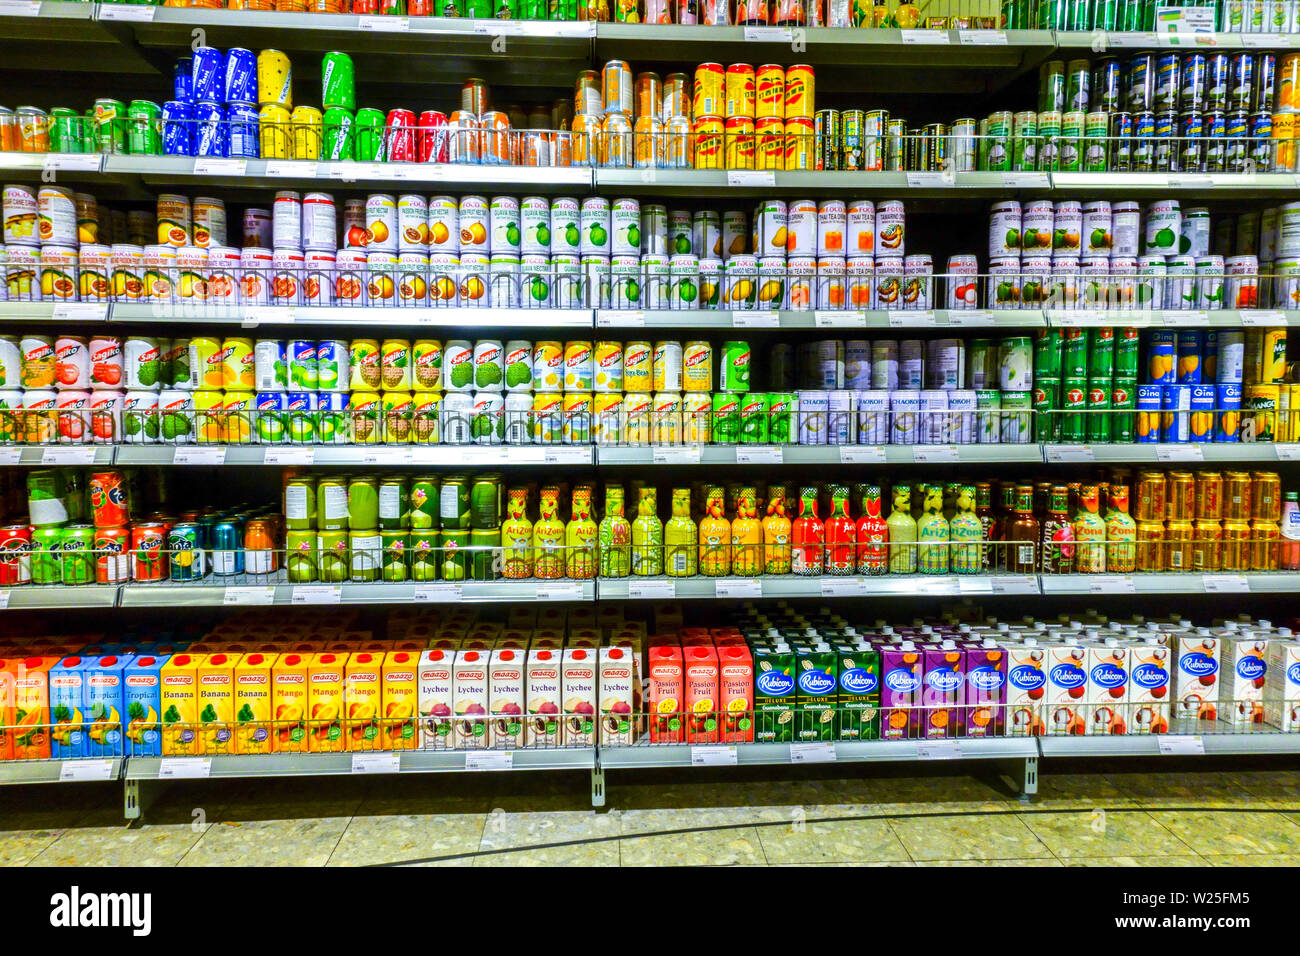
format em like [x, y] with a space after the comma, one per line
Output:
[363, 695]
[436, 699]
[142, 705]
[7, 678]
[253, 703]
[104, 704]
[325, 702]
[178, 698]
[67, 698]
[401, 698]
[289, 703]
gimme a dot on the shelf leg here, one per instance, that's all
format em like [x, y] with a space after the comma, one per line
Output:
[131, 799]
[597, 785]
[1029, 781]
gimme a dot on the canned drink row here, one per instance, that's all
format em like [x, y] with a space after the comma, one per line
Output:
[942, 364]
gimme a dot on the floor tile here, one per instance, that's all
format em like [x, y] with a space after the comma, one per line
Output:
[1254, 859]
[1137, 861]
[1211, 833]
[972, 837]
[1110, 833]
[451, 839]
[17, 847]
[1035, 861]
[161, 845]
[286, 842]
[708, 848]
[847, 842]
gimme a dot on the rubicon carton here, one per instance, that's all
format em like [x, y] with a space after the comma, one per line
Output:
[615, 696]
[736, 693]
[1026, 688]
[469, 676]
[943, 689]
[701, 693]
[1106, 708]
[142, 705]
[325, 702]
[1148, 688]
[363, 698]
[506, 698]
[180, 711]
[401, 700]
[1196, 676]
[578, 691]
[858, 715]
[1067, 689]
[215, 699]
[984, 712]
[102, 706]
[67, 693]
[816, 677]
[665, 692]
[290, 703]
[31, 734]
[1282, 702]
[542, 698]
[900, 691]
[436, 699]
[1245, 672]
[774, 695]
[253, 726]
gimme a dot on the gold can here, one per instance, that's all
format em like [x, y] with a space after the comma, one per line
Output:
[677, 96]
[1266, 496]
[1209, 495]
[274, 81]
[648, 141]
[740, 90]
[1288, 82]
[739, 142]
[1151, 491]
[583, 138]
[709, 96]
[799, 86]
[799, 144]
[1236, 546]
[769, 143]
[586, 94]
[307, 127]
[1150, 546]
[769, 92]
[1178, 545]
[1180, 496]
[1206, 545]
[615, 87]
[648, 95]
[276, 138]
[1284, 130]
[1264, 543]
[707, 134]
[1259, 411]
[1236, 495]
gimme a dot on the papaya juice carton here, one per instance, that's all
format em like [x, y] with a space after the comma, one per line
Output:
[774, 694]
[900, 691]
[363, 700]
[142, 705]
[290, 703]
[7, 678]
[858, 717]
[506, 675]
[436, 699]
[1196, 676]
[326, 700]
[984, 713]
[215, 693]
[1106, 711]
[666, 692]
[943, 691]
[31, 734]
[253, 703]
[401, 699]
[1148, 687]
[615, 696]
[736, 693]
[1064, 704]
[104, 704]
[1026, 688]
[67, 681]
[1245, 672]
[578, 692]
[542, 698]
[179, 701]
[470, 695]
[700, 697]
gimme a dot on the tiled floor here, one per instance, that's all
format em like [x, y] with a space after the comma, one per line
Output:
[1085, 815]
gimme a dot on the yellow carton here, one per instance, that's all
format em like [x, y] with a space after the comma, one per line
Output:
[325, 698]
[253, 730]
[179, 703]
[216, 702]
[401, 699]
[364, 700]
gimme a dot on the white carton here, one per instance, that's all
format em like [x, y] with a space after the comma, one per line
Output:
[1282, 702]
[470, 695]
[1026, 685]
[542, 698]
[1245, 672]
[1106, 708]
[1196, 676]
[506, 698]
[1067, 688]
[1148, 687]
[578, 690]
[616, 692]
[436, 700]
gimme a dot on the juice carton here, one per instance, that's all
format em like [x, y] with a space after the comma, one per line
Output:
[67, 698]
[363, 699]
[470, 695]
[1067, 689]
[215, 695]
[578, 690]
[859, 692]
[614, 695]
[253, 703]
[1245, 670]
[1026, 688]
[1282, 703]
[178, 698]
[142, 705]
[666, 690]
[900, 693]
[6, 704]
[506, 698]
[542, 698]
[290, 702]
[104, 704]
[943, 691]
[1148, 687]
[1196, 674]
[401, 701]
[985, 712]
[326, 700]
[701, 693]
[774, 695]
[1106, 708]
[436, 699]
[816, 677]
[31, 697]
[736, 693]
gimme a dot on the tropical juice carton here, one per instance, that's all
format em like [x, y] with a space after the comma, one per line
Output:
[1245, 669]
[858, 717]
[1148, 687]
[816, 678]
[506, 669]
[67, 698]
[178, 698]
[943, 692]
[1105, 711]
[215, 693]
[470, 695]
[1196, 676]
[104, 704]
[774, 694]
[434, 679]
[401, 699]
[578, 690]
[542, 698]
[700, 694]
[1282, 702]
[363, 699]
[326, 700]
[1067, 687]
[615, 697]
[736, 693]
[900, 691]
[290, 703]
[985, 713]
[31, 697]
[665, 693]
[142, 705]
[254, 703]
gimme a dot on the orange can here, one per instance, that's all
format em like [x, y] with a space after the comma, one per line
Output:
[616, 87]
[561, 148]
[582, 138]
[649, 95]
[1288, 82]
[495, 142]
[739, 142]
[799, 92]
[8, 131]
[708, 133]
[33, 130]
[788, 13]
[798, 144]
[648, 141]
[677, 96]
[769, 143]
[740, 90]
[1284, 133]
[474, 96]
[710, 96]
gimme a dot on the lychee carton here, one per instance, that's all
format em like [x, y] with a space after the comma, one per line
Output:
[615, 696]
[700, 698]
[1106, 709]
[900, 694]
[665, 693]
[1067, 688]
[984, 712]
[943, 689]
[1282, 702]
[1196, 676]
[506, 698]
[736, 693]
[1148, 688]
[436, 699]
[1245, 673]
[469, 677]
[578, 689]
[542, 698]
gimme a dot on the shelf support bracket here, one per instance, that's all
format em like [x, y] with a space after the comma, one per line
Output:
[597, 784]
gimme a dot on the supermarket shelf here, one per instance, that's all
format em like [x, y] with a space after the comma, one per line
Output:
[60, 771]
[861, 751]
[56, 454]
[1217, 319]
[54, 311]
[58, 596]
[386, 455]
[1239, 184]
[261, 590]
[1165, 453]
[1168, 583]
[682, 182]
[792, 586]
[60, 38]
[750, 321]
[1185, 738]
[815, 454]
[1093, 40]
[253, 316]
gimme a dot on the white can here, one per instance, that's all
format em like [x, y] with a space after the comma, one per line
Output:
[905, 417]
[1241, 290]
[857, 364]
[1067, 223]
[1194, 234]
[656, 282]
[884, 364]
[889, 283]
[1286, 285]
[456, 416]
[626, 283]
[94, 268]
[535, 281]
[21, 218]
[890, 231]
[594, 226]
[59, 277]
[381, 222]
[873, 417]
[503, 226]
[176, 416]
[625, 227]
[918, 282]
[1125, 228]
[57, 214]
[255, 266]
[960, 420]
[1096, 237]
[706, 233]
[933, 426]
[503, 282]
[474, 275]
[801, 282]
[832, 226]
[666, 366]
[270, 365]
[22, 271]
[518, 412]
[566, 282]
[1036, 219]
[860, 229]
[814, 407]
[802, 228]
[1035, 277]
[1122, 285]
[712, 282]
[257, 226]
[771, 284]
[412, 223]
[140, 422]
[1063, 288]
[988, 417]
[535, 226]
[159, 262]
[841, 417]
[210, 221]
[489, 358]
[945, 364]
[105, 416]
[457, 366]
[911, 364]
[666, 418]
[472, 217]
[771, 228]
[1230, 367]
[566, 227]
[831, 283]
[287, 277]
[1004, 230]
[1094, 282]
[596, 282]
[860, 275]
[735, 233]
[318, 278]
[223, 275]
[488, 423]
[1181, 286]
[740, 282]
[962, 282]
[286, 220]
[1164, 224]
[1150, 290]
[684, 282]
[443, 225]
[381, 279]
[412, 279]
[72, 415]
[318, 230]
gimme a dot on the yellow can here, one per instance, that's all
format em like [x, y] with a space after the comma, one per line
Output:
[576, 429]
[1272, 356]
[308, 125]
[740, 90]
[425, 412]
[697, 367]
[275, 133]
[364, 374]
[798, 144]
[1284, 131]
[638, 366]
[799, 92]
[697, 417]
[211, 428]
[769, 143]
[607, 417]
[637, 409]
[1259, 405]
[666, 418]
[609, 366]
[237, 410]
[364, 411]
[769, 100]
[739, 143]
[237, 370]
[274, 80]
[548, 366]
[548, 418]
[206, 354]
[399, 409]
[707, 135]
[395, 365]
[709, 98]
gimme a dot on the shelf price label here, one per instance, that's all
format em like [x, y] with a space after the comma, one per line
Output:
[974, 584]
[382, 762]
[759, 455]
[316, 594]
[1018, 584]
[384, 24]
[294, 168]
[758, 319]
[837, 319]
[69, 455]
[812, 753]
[982, 37]
[199, 455]
[248, 596]
[750, 177]
[652, 590]
[4, 599]
[843, 587]
[81, 311]
[118, 11]
[1070, 453]
[1225, 583]
[738, 588]
[675, 455]
[713, 756]
[181, 768]
[925, 37]
[768, 34]
[289, 456]
[1179, 453]
[1111, 584]
[20, 8]
[79, 770]
[1287, 451]
[73, 162]
[439, 593]
[490, 760]
[1262, 317]
[622, 318]
[930, 180]
[938, 750]
[862, 454]
[11, 455]
[923, 454]
[906, 319]
[560, 591]
[1174, 745]
[216, 165]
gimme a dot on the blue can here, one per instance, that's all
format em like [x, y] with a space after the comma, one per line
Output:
[1216, 143]
[185, 552]
[1161, 358]
[1217, 74]
[241, 77]
[1168, 82]
[178, 128]
[183, 79]
[228, 547]
[1191, 93]
[245, 140]
[301, 415]
[331, 401]
[1261, 135]
[1191, 345]
[1241, 81]
[1202, 418]
[1164, 153]
[1150, 398]
[269, 407]
[1175, 414]
[211, 137]
[208, 75]
[1227, 425]
[1210, 358]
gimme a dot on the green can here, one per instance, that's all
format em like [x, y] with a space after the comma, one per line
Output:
[77, 555]
[338, 130]
[300, 556]
[338, 82]
[1096, 127]
[753, 419]
[1024, 142]
[300, 504]
[332, 556]
[485, 502]
[1074, 353]
[1105, 14]
[453, 503]
[1047, 423]
[455, 554]
[1015, 15]
[733, 374]
[368, 136]
[1078, 80]
[67, 131]
[726, 418]
[538, 10]
[47, 555]
[562, 9]
[1126, 354]
[144, 128]
[505, 9]
[1132, 15]
[424, 503]
[485, 549]
[1051, 80]
[1049, 141]
[366, 551]
[110, 125]
[397, 555]
[780, 418]
[423, 549]
[999, 132]
[1099, 391]
[1071, 142]
[363, 504]
[394, 504]
[45, 498]
[1074, 402]
[482, 9]
[1101, 352]
[1123, 405]
[332, 504]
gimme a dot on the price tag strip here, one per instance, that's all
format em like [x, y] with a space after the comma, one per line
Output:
[439, 593]
[181, 768]
[862, 454]
[490, 760]
[738, 588]
[812, 753]
[78, 770]
[708, 756]
[652, 590]
[317, 594]
[382, 762]
[248, 596]
[759, 455]
[1175, 745]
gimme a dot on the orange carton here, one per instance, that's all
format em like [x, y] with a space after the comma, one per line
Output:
[216, 702]
[736, 693]
[289, 703]
[179, 702]
[325, 702]
[401, 700]
[364, 697]
[666, 692]
[6, 707]
[253, 728]
[701, 693]
[31, 697]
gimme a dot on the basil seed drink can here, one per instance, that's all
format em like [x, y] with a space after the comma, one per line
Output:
[1101, 352]
[1099, 393]
[144, 128]
[1127, 344]
[733, 373]
[1074, 402]
[726, 418]
[339, 134]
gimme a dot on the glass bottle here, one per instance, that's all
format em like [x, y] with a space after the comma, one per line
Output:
[1022, 533]
[872, 533]
[984, 511]
[517, 536]
[1121, 533]
[1288, 555]
[715, 535]
[1006, 516]
[932, 526]
[807, 535]
[965, 526]
[580, 535]
[647, 535]
[747, 534]
[680, 542]
[615, 536]
[841, 534]
[776, 533]
[548, 535]
[902, 532]
[1058, 533]
[1090, 533]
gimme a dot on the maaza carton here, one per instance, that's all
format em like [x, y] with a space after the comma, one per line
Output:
[104, 704]
[1148, 687]
[506, 698]
[253, 703]
[984, 713]
[816, 677]
[470, 696]
[900, 691]
[216, 702]
[943, 690]
[1196, 675]
[774, 694]
[31, 690]
[290, 702]
[614, 696]
[180, 710]
[1245, 671]
[401, 699]
[858, 717]
[666, 674]
[700, 695]
[542, 698]
[1282, 702]
[736, 693]
[436, 699]
[326, 700]
[1106, 709]
[67, 698]
[578, 691]
[1067, 687]
[363, 699]
[142, 705]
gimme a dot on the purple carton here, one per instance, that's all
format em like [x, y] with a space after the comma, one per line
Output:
[900, 691]
[944, 689]
[985, 710]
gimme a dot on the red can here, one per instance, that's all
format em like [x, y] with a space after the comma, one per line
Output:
[365, 7]
[399, 135]
[148, 563]
[108, 500]
[15, 555]
[419, 8]
[431, 137]
[112, 564]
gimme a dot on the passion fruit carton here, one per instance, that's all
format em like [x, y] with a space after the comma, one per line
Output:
[616, 696]
[774, 694]
[900, 694]
[943, 689]
[664, 693]
[1282, 702]
[700, 697]
[736, 693]
[1196, 676]
[858, 715]
[1245, 675]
